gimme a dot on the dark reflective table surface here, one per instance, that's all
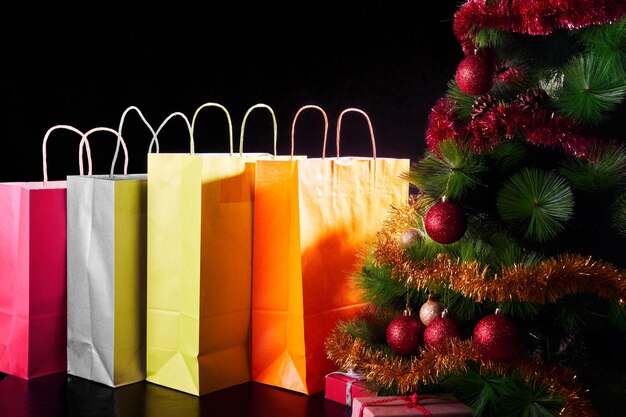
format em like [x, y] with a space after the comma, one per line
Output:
[66, 395]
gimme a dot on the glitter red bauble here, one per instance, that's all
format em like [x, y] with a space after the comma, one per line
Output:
[445, 222]
[496, 337]
[440, 330]
[474, 75]
[405, 334]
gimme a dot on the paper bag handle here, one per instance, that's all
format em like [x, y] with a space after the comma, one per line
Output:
[153, 142]
[83, 142]
[119, 141]
[230, 124]
[185, 119]
[369, 123]
[243, 125]
[155, 139]
[293, 125]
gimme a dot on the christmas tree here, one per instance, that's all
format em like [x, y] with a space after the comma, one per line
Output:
[502, 280]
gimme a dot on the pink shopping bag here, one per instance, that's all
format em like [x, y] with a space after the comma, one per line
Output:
[33, 272]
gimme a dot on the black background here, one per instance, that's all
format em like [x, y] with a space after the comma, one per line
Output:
[84, 68]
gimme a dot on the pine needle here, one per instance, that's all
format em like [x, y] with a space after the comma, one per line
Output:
[531, 401]
[476, 390]
[536, 202]
[509, 154]
[607, 41]
[604, 170]
[378, 286]
[463, 102]
[491, 38]
[453, 173]
[618, 215]
[617, 315]
[592, 88]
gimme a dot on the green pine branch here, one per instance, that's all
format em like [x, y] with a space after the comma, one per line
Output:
[502, 396]
[463, 102]
[520, 309]
[539, 55]
[592, 88]
[603, 171]
[491, 38]
[379, 287]
[571, 313]
[453, 173]
[608, 42]
[532, 400]
[551, 82]
[617, 315]
[464, 309]
[618, 215]
[371, 331]
[536, 202]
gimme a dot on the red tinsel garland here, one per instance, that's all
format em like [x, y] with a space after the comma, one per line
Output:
[442, 124]
[504, 122]
[532, 17]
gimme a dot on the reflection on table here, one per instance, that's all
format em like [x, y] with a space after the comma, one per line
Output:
[66, 395]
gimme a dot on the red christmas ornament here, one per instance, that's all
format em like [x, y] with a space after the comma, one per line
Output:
[440, 330]
[474, 75]
[445, 222]
[405, 334]
[496, 337]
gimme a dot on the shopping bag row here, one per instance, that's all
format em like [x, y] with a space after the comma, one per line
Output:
[208, 271]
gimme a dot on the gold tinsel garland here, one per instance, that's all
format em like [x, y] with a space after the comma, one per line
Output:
[430, 364]
[541, 283]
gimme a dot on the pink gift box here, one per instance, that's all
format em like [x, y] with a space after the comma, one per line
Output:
[425, 405]
[343, 387]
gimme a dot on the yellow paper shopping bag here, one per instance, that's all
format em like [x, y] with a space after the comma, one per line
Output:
[200, 209]
[314, 220]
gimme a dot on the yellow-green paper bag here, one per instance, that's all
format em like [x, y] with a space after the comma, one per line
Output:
[200, 209]
[104, 280]
[106, 271]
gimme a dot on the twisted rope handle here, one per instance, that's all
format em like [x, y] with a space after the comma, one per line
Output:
[83, 143]
[230, 124]
[293, 126]
[120, 141]
[369, 124]
[185, 119]
[243, 125]
[153, 142]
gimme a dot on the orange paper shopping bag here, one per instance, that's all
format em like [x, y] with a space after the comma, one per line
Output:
[33, 274]
[314, 219]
